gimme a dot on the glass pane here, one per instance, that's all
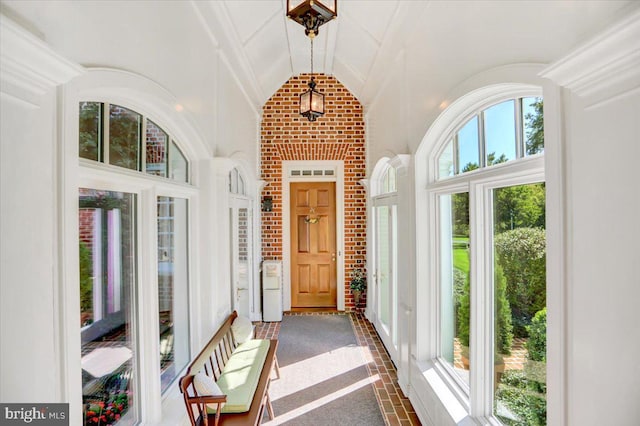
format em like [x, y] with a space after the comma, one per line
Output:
[124, 137]
[394, 263]
[445, 162]
[500, 133]
[468, 151]
[392, 179]
[384, 267]
[242, 261]
[241, 188]
[455, 286]
[156, 156]
[178, 167]
[107, 304]
[532, 118]
[90, 130]
[173, 295]
[520, 305]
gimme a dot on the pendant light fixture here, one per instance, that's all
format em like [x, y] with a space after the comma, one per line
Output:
[312, 101]
[311, 15]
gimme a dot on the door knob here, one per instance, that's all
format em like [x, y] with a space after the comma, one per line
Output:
[333, 257]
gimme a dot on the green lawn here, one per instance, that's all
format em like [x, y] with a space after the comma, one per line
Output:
[461, 254]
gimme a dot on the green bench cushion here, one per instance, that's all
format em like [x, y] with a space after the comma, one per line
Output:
[241, 374]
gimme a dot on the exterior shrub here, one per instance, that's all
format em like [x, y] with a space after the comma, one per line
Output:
[522, 255]
[464, 308]
[503, 326]
[86, 282]
[524, 398]
[537, 343]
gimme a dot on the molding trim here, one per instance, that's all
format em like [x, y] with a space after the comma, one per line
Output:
[28, 66]
[611, 60]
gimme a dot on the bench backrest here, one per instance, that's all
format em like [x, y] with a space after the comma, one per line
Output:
[211, 360]
[213, 357]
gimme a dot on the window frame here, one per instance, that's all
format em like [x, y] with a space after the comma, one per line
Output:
[385, 195]
[147, 188]
[103, 147]
[477, 398]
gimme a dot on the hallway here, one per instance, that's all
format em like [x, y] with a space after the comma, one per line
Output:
[396, 409]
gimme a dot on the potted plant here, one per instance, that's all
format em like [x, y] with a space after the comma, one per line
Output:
[358, 284]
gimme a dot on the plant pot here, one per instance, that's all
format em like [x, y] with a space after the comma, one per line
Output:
[357, 294]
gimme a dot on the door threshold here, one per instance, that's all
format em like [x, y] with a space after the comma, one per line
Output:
[314, 310]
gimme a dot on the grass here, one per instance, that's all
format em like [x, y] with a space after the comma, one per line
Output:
[461, 254]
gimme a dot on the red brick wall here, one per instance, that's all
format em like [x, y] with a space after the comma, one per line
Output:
[338, 135]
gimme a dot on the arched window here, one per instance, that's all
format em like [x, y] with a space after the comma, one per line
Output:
[118, 136]
[505, 131]
[133, 218]
[236, 182]
[486, 197]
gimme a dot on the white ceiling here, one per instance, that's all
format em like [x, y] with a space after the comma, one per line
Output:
[364, 41]
[432, 45]
[271, 48]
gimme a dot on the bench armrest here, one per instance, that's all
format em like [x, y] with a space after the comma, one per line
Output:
[207, 399]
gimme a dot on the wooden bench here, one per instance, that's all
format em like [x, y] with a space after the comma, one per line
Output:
[211, 361]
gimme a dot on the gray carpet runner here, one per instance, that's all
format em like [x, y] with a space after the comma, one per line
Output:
[323, 375]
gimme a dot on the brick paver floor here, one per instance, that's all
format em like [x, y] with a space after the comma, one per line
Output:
[395, 408]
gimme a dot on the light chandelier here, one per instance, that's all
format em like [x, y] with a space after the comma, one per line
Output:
[311, 15]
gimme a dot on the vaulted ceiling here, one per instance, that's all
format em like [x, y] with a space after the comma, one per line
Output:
[363, 43]
[270, 48]
[431, 45]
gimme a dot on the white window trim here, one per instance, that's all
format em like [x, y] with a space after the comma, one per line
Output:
[338, 178]
[477, 399]
[380, 199]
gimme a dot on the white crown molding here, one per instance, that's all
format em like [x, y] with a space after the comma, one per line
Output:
[28, 66]
[604, 66]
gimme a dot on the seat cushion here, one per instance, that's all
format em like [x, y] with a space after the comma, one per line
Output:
[241, 374]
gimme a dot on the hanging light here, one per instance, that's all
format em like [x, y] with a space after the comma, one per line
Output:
[312, 101]
[311, 14]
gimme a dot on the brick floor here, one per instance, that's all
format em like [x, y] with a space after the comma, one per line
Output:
[395, 408]
[515, 361]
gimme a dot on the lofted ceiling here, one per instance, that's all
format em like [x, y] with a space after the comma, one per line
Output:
[414, 51]
[366, 39]
[270, 48]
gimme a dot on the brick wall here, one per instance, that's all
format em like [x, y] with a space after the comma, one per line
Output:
[338, 135]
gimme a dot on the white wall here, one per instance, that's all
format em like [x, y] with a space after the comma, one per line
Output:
[29, 247]
[148, 70]
[599, 102]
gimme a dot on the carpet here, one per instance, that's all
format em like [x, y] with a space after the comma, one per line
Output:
[323, 375]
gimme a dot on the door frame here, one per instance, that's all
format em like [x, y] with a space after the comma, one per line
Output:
[237, 202]
[338, 177]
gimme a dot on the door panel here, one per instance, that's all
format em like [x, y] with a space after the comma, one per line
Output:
[313, 244]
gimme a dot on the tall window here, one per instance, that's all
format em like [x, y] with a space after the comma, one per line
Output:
[108, 289]
[113, 234]
[241, 246]
[385, 237]
[493, 310]
[173, 295]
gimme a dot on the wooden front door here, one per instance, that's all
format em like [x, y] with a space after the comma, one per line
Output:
[313, 244]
